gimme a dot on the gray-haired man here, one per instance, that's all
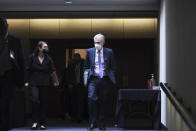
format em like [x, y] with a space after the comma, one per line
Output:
[101, 66]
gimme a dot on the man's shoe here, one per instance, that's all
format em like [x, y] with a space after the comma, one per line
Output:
[34, 126]
[102, 127]
[92, 126]
[42, 127]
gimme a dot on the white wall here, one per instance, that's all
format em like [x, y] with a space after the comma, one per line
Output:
[174, 121]
[162, 58]
[179, 43]
[181, 49]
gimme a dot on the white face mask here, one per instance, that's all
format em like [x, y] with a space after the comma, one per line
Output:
[98, 46]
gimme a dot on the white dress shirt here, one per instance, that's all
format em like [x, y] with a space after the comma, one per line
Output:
[97, 62]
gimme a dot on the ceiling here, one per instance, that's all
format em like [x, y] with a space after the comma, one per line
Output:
[79, 5]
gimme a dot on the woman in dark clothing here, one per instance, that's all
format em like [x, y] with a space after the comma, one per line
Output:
[39, 68]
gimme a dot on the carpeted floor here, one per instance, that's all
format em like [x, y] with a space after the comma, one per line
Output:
[67, 125]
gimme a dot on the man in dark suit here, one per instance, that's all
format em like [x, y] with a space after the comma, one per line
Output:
[11, 72]
[100, 65]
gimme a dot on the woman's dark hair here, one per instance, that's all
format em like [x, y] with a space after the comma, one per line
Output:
[3, 21]
[39, 45]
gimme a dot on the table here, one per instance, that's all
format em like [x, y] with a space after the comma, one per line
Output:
[146, 95]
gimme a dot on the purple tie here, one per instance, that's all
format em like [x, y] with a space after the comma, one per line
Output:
[100, 65]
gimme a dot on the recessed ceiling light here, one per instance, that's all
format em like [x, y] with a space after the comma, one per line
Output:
[68, 1]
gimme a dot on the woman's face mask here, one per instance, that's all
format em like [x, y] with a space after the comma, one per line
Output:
[98, 46]
[46, 50]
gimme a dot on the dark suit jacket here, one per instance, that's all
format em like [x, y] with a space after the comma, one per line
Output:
[18, 61]
[109, 62]
[71, 79]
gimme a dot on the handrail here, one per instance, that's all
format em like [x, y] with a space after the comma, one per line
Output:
[179, 107]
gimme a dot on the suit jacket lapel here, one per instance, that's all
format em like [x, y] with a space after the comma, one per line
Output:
[104, 55]
[11, 50]
[93, 56]
[9, 44]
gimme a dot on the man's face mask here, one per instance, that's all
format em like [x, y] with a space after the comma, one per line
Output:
[98, 46]
[3, 29]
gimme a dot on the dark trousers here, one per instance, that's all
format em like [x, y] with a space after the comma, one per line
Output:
[98, 96]
[39, 99]
[66, 102]
[6, 98]
[74, 101]
[79, 102]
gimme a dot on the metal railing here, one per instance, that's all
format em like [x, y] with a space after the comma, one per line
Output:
[178, 104]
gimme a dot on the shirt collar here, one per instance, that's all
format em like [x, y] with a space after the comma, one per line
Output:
[100, 50]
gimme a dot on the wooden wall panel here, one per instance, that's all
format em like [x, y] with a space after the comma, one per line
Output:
[44, 28]
[82, 52]
[83, 28]
[139, 28]
[19, 27]
[75, 28]
[111, 28]
[156, 25]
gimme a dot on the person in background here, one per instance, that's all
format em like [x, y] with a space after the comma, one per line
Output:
[11, 72]
[39, 67]
[100, 65]
[79, 92]
[65, 97]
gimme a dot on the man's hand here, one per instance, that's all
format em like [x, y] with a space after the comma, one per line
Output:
[56, 84]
